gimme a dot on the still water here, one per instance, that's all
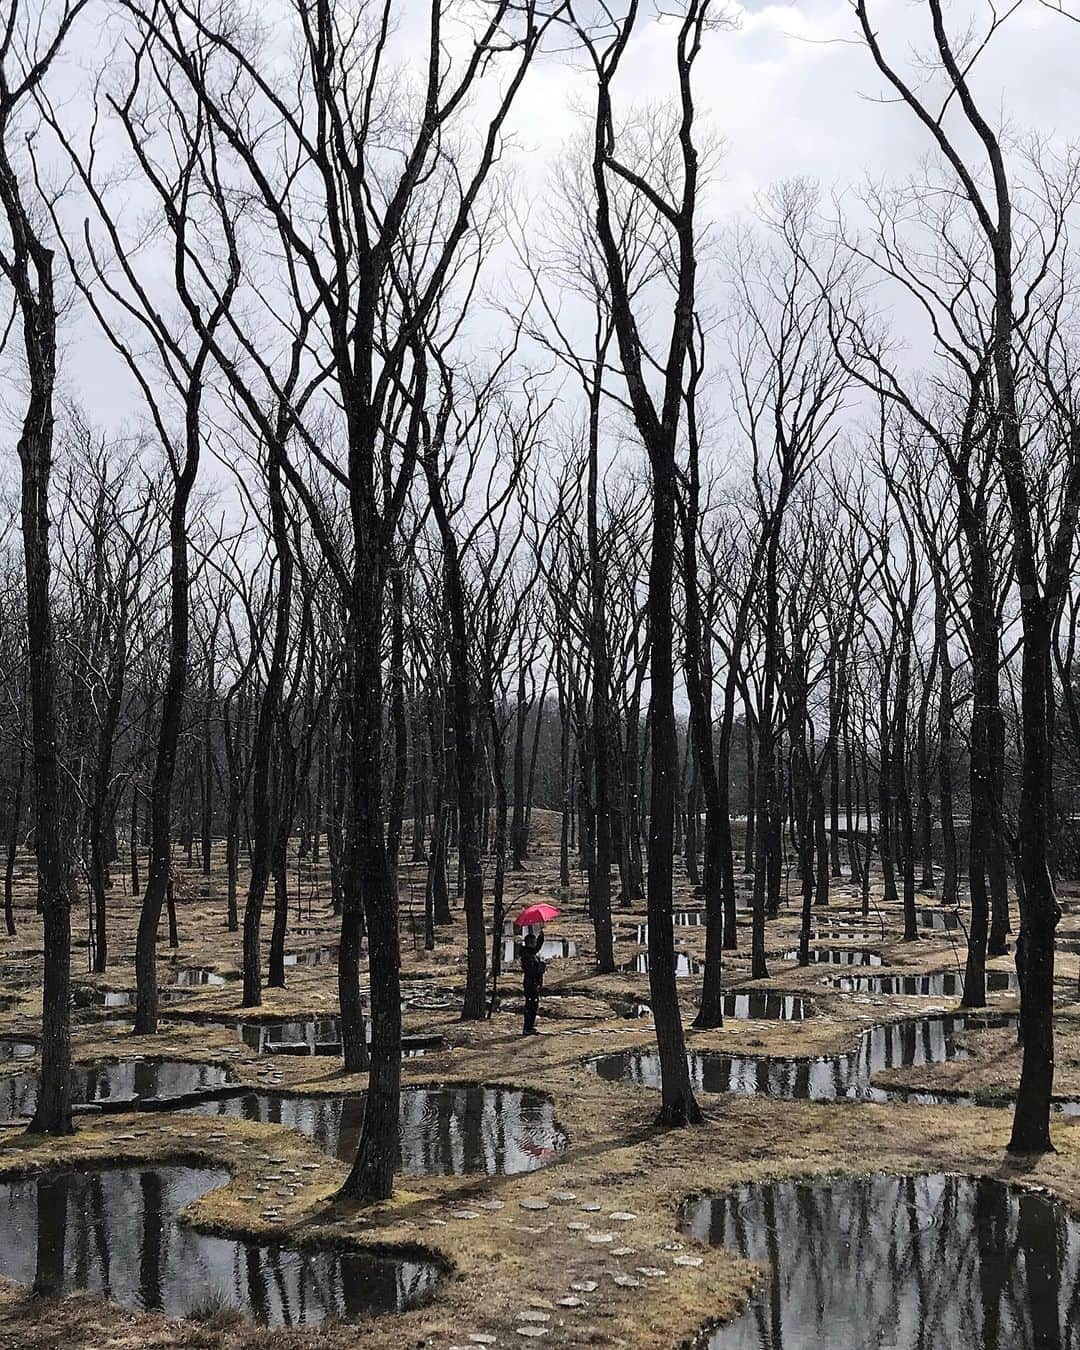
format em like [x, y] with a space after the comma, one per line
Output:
[444, 1131]
[907, 1263]
[114, 1232]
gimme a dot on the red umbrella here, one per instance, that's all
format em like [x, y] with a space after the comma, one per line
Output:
[536, 914]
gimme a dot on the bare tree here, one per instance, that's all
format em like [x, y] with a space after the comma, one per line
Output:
[30, 45]
[1041, 575]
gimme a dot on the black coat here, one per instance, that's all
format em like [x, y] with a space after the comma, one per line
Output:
[532, 968]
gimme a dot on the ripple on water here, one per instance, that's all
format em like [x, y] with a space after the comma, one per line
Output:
[114, 1231]
[904, 1262]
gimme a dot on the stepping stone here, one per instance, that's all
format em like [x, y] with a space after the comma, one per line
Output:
[627, 1281]
[437, 1223]
[694, 1261]
[578, 1226]
[534, 1204]
[534, 1315]
[669, 1246]
[651, 1272]
[463, 1214]
[599, 1237]
[624, 1251]
[311, 1167]
[492, 1206]
[584, 1286]
[622, 1216]
[481, 1338]
[571, 1302]
[590, 1207]
[563, 1197]
[533, 1331]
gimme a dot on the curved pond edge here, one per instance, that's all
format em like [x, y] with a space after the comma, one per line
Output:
[193, 1156]
[994, 1018]
[700, 1338]
[114, 1106]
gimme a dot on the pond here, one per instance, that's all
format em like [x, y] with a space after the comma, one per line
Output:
[939, 984]
[766, 1003]
[906, 1262]
[118, 1084]
[314, 956]
[551, 949]
[837, 956]
[14, 1050]
[443, 1131]
[114, 1231]
[940, 920]
[682, 918]
[685, 966]
[199, 976]
[86, 997]
[893, 1045]
[316, 1036]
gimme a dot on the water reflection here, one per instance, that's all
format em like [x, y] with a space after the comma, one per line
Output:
[115, 1232]
[120, 1082]
[682, 918]
[916, 1041]
[754, 1003]
[309, 1035]
[685, 966]
[837, 956]
[316, 1036]
[197, 976]
[904, 1262]
[551, 949]
[939, 984]
[940, 920]
[447, 1131]
[87, 997]
[314, 956]
[13, 1050]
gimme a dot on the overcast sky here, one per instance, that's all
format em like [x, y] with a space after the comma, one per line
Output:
[789, 88]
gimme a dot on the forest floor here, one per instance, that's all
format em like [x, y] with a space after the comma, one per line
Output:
[586, 1250]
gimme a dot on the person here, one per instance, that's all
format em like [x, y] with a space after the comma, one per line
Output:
[532, 970]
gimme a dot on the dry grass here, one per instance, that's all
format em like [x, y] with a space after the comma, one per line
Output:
[514, 1257]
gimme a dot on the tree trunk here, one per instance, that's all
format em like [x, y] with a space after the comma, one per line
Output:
[52, 1114]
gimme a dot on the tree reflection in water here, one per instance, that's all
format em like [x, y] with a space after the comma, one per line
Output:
[911, 1263]
[444, 1131]
[893, 1045]
[123, 1079]
[114, 1231]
